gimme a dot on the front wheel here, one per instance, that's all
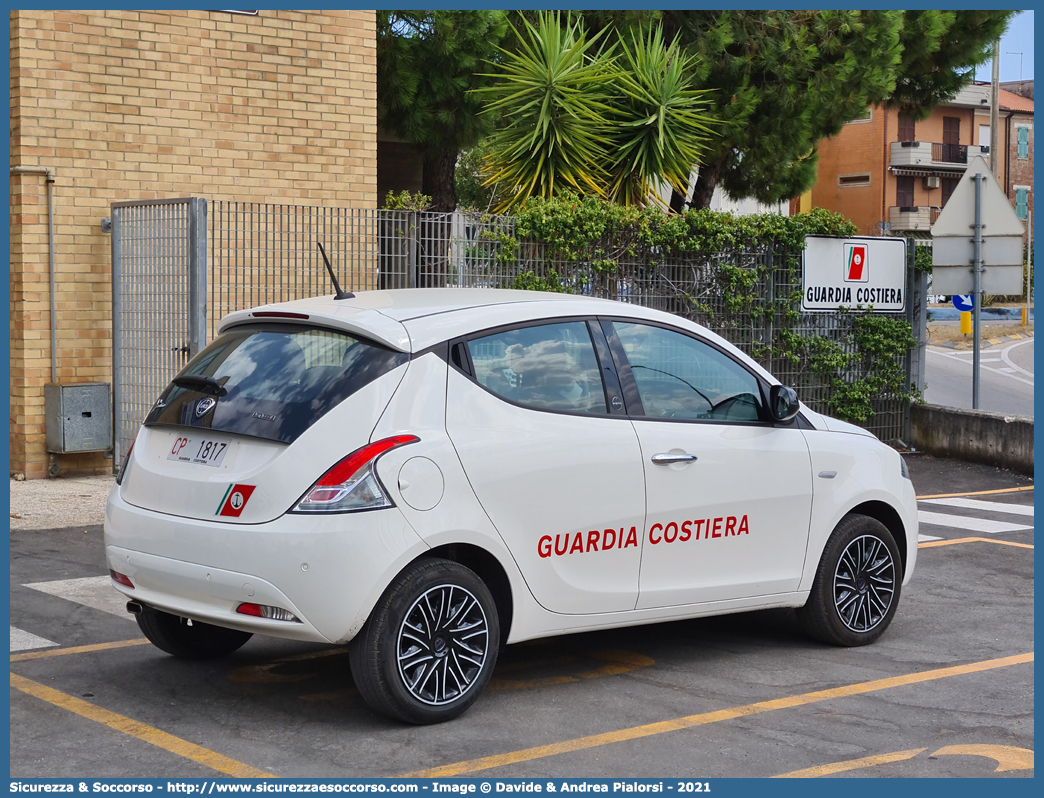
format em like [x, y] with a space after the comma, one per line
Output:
[199, 641]
[857, 586]
[430, 644]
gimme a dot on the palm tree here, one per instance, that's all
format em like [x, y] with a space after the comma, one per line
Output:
[576, 118]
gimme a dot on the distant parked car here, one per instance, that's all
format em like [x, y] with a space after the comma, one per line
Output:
[428, 475]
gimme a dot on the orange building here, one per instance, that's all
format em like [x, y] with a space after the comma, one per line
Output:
[888, 167]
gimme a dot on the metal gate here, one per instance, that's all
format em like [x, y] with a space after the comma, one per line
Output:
[159, 290]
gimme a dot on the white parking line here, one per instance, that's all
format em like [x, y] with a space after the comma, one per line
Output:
[23, 641]
[1023, 376]
[1004, 354]
[972, 524]
[978, 504]
[96, 592]
[926, 538]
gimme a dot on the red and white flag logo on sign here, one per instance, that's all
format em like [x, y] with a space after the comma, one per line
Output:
[855, 260]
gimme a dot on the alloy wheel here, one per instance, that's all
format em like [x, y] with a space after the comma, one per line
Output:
[442, 644]
[864, 583]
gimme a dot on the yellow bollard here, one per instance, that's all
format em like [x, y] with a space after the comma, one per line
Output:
[966, 321]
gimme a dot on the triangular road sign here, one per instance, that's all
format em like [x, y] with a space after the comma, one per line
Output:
[998, 217]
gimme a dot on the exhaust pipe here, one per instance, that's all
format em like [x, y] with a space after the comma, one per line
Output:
[134, 607]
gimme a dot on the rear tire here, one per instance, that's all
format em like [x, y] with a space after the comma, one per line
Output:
[173, 635]
[857, 585]
[429, 646]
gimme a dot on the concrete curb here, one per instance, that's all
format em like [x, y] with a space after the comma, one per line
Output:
[974, 435]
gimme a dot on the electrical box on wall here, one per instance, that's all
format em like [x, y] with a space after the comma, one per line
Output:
[78, 418]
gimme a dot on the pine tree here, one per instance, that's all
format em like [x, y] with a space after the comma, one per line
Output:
[783, 80]
[427, 61]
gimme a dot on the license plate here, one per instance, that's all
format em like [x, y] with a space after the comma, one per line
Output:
[197, 449]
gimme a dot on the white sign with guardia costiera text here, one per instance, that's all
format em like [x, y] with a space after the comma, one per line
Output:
[853, 272]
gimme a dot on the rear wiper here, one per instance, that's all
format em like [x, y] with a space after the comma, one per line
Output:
[201, 384]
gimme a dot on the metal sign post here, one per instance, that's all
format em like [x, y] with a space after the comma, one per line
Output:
[977, 294]
[1029, 265]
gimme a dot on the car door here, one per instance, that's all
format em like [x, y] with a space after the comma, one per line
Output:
[729, 493]
[555, 465]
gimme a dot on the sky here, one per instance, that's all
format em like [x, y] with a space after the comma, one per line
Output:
[1018, 39]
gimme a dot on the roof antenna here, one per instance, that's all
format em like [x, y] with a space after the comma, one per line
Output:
[340, 294]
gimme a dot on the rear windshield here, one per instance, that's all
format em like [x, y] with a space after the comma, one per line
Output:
[271, 380]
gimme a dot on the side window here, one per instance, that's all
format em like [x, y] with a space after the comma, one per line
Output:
[547, 367]
[679, 377]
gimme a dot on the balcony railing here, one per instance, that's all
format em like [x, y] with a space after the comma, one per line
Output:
[950, 153]
[924, 154]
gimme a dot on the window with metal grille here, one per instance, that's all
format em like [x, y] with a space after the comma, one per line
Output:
[1023, 141]
[1021, 202]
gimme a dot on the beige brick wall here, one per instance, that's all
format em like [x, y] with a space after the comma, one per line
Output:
[128, 105]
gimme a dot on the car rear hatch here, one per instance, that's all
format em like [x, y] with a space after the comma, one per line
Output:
[256, 417]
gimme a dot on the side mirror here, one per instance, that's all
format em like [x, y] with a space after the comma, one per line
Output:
[783, 403]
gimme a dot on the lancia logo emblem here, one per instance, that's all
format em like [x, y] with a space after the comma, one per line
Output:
[204, 406]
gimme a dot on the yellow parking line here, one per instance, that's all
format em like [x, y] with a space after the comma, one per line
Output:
[61, 652]
[648, 730]
[976, 493]
[851, 764]
[933, 543]
[1007, 757]
[160, 739]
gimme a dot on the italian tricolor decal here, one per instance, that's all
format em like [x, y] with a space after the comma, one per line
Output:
[234, 500]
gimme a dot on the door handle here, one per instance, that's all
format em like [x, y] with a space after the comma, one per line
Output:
[667, 459]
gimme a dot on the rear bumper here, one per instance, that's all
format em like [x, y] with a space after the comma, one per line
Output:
[329, 571]
[206, 594]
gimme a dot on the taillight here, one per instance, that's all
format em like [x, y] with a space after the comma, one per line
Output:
[352, 483]
[124, 464]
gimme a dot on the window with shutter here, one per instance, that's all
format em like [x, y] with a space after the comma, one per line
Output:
[907, 130]
[904, 192]
[1023, 142]
[1021, 202]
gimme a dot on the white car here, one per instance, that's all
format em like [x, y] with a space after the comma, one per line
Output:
[431, 474]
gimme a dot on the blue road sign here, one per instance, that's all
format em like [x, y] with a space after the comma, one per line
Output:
[964, 301]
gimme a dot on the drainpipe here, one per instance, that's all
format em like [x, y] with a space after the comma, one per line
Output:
[1007, 153]
[40, 170]
[884, 173]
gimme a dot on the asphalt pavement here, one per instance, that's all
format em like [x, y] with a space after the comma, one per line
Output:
[1006, 376]
[947, 691]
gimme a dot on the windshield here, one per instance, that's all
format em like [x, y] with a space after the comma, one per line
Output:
[271, 380]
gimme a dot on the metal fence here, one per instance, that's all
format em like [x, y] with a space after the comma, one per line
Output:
[251, 254]
[262, 253]
[159, 272]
